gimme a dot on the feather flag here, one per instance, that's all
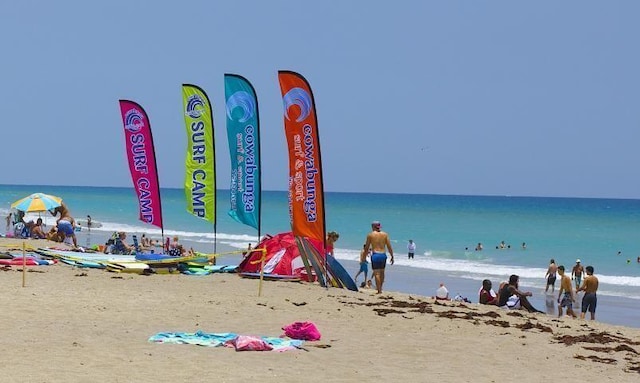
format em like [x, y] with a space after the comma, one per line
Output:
[306, 192]
[142, 161]
[243, 133]
[200, 173]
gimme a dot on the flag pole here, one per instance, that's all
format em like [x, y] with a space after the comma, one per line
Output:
[24, 264]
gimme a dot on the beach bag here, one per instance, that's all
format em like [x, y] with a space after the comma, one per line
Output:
[513, 302]
[302, 331]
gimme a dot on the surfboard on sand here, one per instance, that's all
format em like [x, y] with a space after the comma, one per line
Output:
[128, 267]
[312, 256]
[340, 273]
[271, 277]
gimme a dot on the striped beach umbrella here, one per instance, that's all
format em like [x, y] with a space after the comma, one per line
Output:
[37, 202]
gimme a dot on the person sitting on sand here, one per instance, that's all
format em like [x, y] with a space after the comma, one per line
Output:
[54, 235]
[175, 248]
[36, 230]
[487, 295]
[442, 294]
[511, 297]
[120, 246]
[145, 242]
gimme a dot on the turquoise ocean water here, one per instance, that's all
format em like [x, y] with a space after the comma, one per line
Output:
[443, 227]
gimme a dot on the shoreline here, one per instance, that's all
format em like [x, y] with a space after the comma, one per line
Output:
[404, 279]
[90, 324]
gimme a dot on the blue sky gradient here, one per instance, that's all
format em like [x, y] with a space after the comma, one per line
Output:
[475, 98]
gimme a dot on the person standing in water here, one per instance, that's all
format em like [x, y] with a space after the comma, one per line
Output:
[551, 276]
[576, 273]
[378, 242]
[565, 293]
[411, 249]
[589, 300]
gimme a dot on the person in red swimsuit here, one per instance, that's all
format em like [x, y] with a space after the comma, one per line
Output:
[487, 295]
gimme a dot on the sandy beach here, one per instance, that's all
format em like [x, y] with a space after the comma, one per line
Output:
[79, 325]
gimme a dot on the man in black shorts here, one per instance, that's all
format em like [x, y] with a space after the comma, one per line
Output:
[589, 300]
[551, 276]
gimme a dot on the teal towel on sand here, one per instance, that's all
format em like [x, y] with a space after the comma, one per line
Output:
[201, 338]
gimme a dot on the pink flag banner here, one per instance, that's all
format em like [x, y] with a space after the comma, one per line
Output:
[142, 161]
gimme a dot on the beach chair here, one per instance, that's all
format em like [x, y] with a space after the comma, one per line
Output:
[108, 246]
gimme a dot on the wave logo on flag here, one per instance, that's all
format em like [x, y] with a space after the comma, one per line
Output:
[133, 120]
[195, 106]
[243, 100]
[300, 97]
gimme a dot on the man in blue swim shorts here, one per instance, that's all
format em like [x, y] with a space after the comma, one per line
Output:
[364, 266]
[378, 242]
[65, 223]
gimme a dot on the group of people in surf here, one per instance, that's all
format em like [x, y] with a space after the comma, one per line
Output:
[510, 295]
[501, 246]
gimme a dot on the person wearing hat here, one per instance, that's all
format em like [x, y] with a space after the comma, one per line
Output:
[378, 242]
[576, 273]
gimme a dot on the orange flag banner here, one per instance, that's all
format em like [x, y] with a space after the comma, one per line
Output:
[306, 192]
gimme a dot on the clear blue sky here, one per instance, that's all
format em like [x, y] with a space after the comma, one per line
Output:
[436, 97]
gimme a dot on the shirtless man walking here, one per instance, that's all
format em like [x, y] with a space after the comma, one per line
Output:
[576, 273]
[378, 242]
[565, 294]
[551, 276]
[589, 300]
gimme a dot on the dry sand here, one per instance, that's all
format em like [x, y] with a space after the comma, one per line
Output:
[88, 325]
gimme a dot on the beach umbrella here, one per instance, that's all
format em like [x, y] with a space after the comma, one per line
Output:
[37, 202]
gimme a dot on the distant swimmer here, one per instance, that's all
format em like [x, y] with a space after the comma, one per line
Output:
[479, 246]
[524, 246]
[502, 245]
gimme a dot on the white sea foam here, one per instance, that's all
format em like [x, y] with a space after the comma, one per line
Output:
[481, 269]
[153, 232]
